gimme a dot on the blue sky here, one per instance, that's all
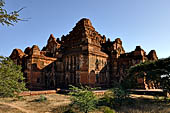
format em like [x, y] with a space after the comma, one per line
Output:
[136, 22]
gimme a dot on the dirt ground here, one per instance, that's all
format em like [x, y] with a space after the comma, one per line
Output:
[28, 104]
[8, 109]
[55, 103]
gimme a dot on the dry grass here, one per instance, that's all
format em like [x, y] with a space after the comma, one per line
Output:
[145, 106]
[58, 103]
[7, 109]
[29, 103]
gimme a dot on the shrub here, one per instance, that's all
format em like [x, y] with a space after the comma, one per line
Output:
[115, 97]
[69, 111]
[108, 110]
[42, 98]
[107, 100]
[20, 98]
[119, 95]
[83, 98]
[11, 78]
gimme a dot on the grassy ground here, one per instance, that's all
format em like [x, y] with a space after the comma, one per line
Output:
[56, 103]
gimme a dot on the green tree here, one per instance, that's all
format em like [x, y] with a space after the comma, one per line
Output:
[11, 78]
[115, 97]
[83, 98]
[8, 18]
[155, 71]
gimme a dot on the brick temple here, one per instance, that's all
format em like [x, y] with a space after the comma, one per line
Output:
[82, 57]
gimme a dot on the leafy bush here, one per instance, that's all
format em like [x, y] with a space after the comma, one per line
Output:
[119, 95]
[69, 111]
[11, 78]
[41, 99]
[20, 98]
[115, 97]
[83, 98]
[108, 110]
[107, 100]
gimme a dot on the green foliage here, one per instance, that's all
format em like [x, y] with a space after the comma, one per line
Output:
[119, 95]
[83, 98]
[115, 97]
[11, 78]
[8, 18]
[69, 111]
[20, 98]
[155, 71]
[108, 110]
[41, 99]
[107, 100]
[62, 109]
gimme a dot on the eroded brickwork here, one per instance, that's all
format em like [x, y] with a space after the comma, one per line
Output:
[81, 57]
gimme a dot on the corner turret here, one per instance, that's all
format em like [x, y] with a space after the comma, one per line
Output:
[152, 55]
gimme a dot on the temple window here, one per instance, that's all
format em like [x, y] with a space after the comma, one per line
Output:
[97, 64]
[74, 63]
[71, 65]
[77, 64]
[97, 39]
[34, 66]
[71, 78]
[97, 78]
[67, 64]
[105, 63]
[78, 78]
[74, 60]
[38, 80]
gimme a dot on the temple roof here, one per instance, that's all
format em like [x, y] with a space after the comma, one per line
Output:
[17, 53]
[84, 22]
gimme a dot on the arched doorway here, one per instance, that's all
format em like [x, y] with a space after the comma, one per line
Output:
[92, 78]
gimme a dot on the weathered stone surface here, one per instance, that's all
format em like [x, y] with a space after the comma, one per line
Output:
[81, 57]
[52, 46]
[152, 55]
[17, 55]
